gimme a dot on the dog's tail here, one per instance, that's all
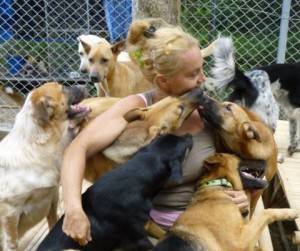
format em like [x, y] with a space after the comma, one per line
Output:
[174, 242]
[224, 66]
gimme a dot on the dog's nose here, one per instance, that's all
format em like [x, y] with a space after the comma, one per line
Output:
[94, 77]
[84, 70]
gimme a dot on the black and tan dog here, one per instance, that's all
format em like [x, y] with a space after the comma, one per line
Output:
[212, 221]
[118, 203]
[242, 132]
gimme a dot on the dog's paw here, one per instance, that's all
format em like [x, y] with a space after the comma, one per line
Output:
[293, 147]
[291, 214]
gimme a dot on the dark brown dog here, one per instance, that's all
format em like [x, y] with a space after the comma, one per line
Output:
[212, 221]
[242, 132]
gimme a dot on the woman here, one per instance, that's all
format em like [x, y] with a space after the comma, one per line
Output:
[172, 61]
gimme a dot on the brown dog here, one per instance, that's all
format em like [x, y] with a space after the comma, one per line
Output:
[212, 221]
[144, 124]
[30, 157]
[242, 132]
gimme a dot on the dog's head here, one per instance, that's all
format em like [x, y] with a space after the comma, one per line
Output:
[230, 119]
[145, 124]
[163, 117]
[242, 174]
[89, 40]
[172, 150]
[102, 58]
[52, 102]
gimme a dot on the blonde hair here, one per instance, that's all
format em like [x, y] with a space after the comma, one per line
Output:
[158, 50]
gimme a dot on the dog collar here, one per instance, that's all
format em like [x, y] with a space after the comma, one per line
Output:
[219, 182]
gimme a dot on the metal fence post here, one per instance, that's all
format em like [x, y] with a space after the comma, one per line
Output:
[284, 27]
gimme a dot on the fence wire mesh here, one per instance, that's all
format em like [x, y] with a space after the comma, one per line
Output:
[38, 37]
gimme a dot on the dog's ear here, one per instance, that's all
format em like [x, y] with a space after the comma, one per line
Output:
[118, 47]
[43, 110]
[251, 132]
[86, 47]
[135, 114]
[176, 171]
[212, 162]
[153, 132]
[79, 38]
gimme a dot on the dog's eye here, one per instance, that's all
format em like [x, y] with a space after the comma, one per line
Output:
[228, 107]
[91, 60]
[181, 108]
[81, 53]
[104, 60]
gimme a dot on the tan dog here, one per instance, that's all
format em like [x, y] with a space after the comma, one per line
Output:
[212, 221]
[30, 157]
[144, 124]
[84, 66]
[118, 79]
[242, 132]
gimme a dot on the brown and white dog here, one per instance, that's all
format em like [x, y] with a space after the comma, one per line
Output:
[144, 125]
[212, 221]
[242, 132]
[30, 157]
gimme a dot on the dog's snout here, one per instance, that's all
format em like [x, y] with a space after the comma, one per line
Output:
[76, 93]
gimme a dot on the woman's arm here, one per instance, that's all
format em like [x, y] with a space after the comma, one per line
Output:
[99, 133]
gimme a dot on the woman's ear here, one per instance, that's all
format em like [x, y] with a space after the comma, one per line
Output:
[162, 82]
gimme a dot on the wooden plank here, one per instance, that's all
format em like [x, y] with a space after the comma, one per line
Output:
[264, 241]
[289, 175]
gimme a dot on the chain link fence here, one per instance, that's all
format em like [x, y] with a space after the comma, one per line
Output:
[38, 37]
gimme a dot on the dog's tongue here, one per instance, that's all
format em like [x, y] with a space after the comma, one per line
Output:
[253, 191]
[200, 107]
[77, 111]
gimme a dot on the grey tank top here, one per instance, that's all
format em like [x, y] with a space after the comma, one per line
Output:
[176, 196]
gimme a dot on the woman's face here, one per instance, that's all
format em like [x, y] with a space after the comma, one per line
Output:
[189, 75]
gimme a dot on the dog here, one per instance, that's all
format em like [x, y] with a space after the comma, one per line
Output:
[212, 221]
[252, 88]
[93, 40]
[242, 132]
[144, 125]
[12, 93]
[118, 203]
[119, 79]
[34, 68]
[30, 157]
[255, 86]
[84, 66]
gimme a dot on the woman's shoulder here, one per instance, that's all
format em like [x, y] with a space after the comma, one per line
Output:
[147, 97]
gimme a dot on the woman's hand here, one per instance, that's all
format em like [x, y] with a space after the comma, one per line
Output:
[77, 226]
[240, 199]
